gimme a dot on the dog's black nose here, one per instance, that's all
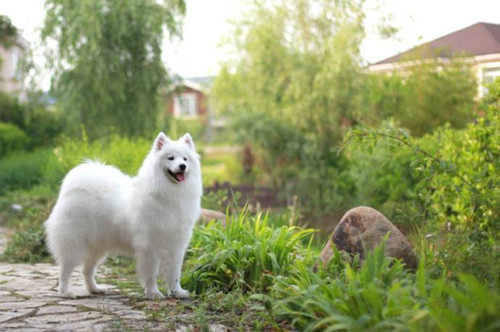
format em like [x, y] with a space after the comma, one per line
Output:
[182, 167]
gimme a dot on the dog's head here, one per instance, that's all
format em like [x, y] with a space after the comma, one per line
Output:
[177, 159]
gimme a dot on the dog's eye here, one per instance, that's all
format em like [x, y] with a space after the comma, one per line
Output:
[170, 158]
[185, 159]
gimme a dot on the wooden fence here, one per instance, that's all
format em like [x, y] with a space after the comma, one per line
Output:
[265, 197]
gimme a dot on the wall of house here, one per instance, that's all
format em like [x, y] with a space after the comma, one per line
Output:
[201, 101]
[11, 75]
[487, 69]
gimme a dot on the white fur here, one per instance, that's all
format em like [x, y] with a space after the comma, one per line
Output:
[100, 210]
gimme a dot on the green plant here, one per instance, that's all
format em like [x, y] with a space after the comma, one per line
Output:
[245, 254]
[26, 169]
[377, 296]
[467, 305]
[28, 240]
[11, 139]
[126, 154]
[457, 175]
[27, 245]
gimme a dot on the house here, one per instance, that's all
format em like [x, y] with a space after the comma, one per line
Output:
[479, 43]
[189, 98]
[12, 67]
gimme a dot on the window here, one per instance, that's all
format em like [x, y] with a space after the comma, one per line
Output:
[17, 64]
[489, 76]
[185, 104]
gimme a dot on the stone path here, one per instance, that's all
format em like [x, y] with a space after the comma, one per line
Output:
[29, 302]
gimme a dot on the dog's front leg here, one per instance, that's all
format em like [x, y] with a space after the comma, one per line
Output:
[147, 270]
[171, 267]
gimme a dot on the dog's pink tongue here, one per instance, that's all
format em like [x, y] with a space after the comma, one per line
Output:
[180, 177]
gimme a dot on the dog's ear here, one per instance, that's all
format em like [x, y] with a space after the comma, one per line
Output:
[188, 140]
[160, 141]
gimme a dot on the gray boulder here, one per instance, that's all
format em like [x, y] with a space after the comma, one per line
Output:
[363, 228]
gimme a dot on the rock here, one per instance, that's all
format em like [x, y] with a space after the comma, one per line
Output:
[363, 228]
[209, 215]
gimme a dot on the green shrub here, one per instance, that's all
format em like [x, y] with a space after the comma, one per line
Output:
[427, 96]
[26, 169]
[11, 138]
[384, 176]
[34, 118]
[195, 127]
[451, 189]
[124, 153]
[246, 254]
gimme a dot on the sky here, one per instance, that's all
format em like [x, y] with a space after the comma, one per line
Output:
[206, 23]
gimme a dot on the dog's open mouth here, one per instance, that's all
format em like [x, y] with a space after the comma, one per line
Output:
[178, 177]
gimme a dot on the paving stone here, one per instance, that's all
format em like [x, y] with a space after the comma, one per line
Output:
[56, 309]
[8, 315]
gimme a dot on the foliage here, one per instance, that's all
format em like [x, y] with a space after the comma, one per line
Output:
[27, 245]
[455, 176]
[11, 138]
[107, 67]
[246, 254]
[28, 242]
[124, 153]
[383, 174]
[23, 170]
[195, 127]
[379, 296]
[7, 32]
[425, 97]
[376, 297]
[295, 85]
[33, 117]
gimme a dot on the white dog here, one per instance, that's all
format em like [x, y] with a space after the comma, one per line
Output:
[151, 216]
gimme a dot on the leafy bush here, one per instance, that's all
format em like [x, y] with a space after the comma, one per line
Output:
[453, 182]
[195, 127]
[11, 138]
[40, 124]
[124, 153]
[246, 254]
[427, 96]
[384, 176]
[26, 169]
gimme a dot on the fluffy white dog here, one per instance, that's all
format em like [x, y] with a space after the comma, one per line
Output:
[151, 216]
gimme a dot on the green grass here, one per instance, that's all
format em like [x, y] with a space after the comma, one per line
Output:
[28, 241]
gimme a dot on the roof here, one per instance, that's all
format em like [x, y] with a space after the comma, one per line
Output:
[202, 84]
[477, 39]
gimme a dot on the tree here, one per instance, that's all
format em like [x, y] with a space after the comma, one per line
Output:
[7, 31]
[294, 85]
[107, 66]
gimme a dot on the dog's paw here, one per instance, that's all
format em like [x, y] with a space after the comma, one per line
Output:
[66, 293]
[180, 293]
[154, 295]
[97, 290]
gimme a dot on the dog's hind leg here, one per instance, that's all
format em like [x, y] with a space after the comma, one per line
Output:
[89, 268]
[64, 277]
